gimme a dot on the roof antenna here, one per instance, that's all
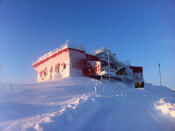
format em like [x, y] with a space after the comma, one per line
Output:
[67, 42]
[81, 46]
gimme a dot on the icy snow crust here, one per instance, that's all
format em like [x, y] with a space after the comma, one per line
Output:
[84, 104]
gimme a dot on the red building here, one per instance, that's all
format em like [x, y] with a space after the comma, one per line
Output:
[65, 61]
[70, 60]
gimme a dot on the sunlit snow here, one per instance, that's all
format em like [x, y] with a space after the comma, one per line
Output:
[84, 104]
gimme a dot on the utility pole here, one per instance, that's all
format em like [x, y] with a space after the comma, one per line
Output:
[160, 75]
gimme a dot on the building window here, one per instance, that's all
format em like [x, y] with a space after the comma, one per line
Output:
[57, 68]
[51, 69]
[64, 66]
[40, 74]
[45, 72]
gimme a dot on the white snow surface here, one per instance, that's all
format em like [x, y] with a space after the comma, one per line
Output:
[85, 104]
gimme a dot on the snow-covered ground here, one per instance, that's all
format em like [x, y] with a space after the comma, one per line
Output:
[84, 104]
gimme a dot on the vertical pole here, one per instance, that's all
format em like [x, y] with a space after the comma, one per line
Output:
[160, 75]
[0, 72]
[67, 42]
[109, 64]
[122, 77]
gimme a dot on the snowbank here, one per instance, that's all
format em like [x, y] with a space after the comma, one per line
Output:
[166, 108]
[85, 104]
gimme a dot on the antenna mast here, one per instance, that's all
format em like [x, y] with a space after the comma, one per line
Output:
[160, 75]
[67, 42]
[109, 65]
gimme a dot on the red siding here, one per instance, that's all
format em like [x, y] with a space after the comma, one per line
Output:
[91, 57]
[136, 69]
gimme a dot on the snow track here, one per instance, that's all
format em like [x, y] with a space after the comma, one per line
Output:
[83, 104]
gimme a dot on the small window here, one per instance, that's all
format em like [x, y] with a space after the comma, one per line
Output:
[40, 74]
[45, 72]
[64, 66]
[57, 67]
[51, 69]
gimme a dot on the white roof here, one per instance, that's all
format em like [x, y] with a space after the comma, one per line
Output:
[66, 45]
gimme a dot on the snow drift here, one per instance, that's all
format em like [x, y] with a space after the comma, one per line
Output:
[84, 104]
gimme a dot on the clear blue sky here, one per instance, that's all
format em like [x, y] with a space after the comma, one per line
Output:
[141, 31]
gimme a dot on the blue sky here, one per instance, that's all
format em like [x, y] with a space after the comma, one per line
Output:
[139, 31]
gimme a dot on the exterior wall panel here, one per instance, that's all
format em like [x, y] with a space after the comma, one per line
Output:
[77, 62]
[49, 69]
